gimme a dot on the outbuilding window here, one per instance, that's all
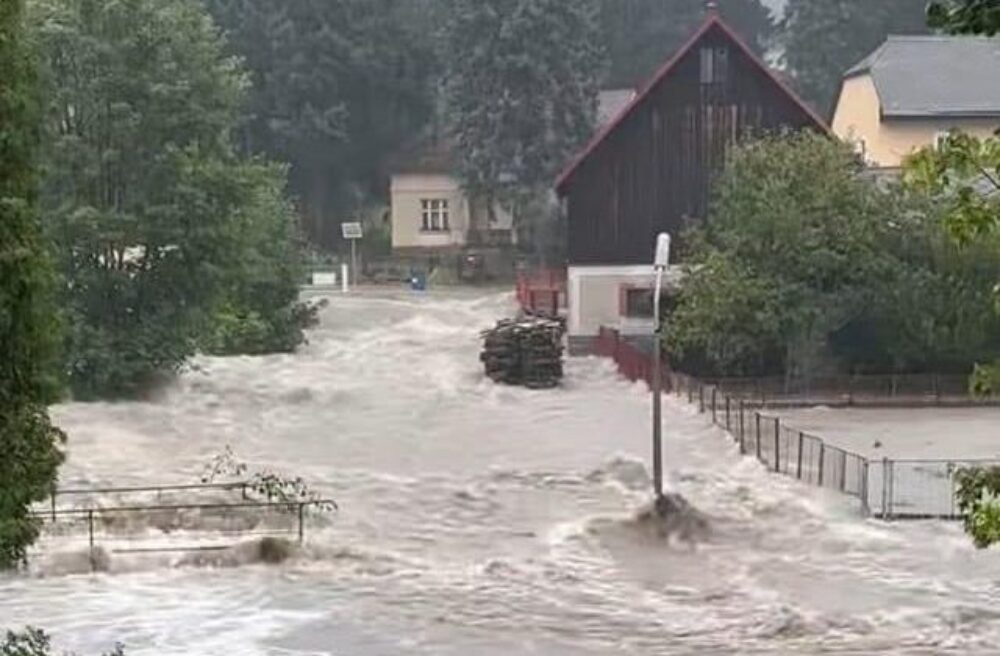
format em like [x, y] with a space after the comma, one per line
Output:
[434, 213]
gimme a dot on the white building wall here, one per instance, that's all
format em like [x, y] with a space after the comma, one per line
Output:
[407, 191]
[595, 297]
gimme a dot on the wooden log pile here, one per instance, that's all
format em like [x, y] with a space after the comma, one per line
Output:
[526, 351]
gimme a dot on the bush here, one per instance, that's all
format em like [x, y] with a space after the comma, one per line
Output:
[35, 642]
[808, 266]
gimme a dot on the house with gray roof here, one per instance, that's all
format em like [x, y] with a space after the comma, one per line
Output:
[913, 90]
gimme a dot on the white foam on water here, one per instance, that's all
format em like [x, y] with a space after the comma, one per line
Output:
[480, 519]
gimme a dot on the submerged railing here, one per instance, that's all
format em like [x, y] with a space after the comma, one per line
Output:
[159, 527]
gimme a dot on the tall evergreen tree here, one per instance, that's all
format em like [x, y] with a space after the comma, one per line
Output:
[29, 444]
[522, 82]
[641, 34]
[336, 87]
[822, 40]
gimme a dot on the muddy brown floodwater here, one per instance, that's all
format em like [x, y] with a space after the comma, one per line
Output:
[482, 520]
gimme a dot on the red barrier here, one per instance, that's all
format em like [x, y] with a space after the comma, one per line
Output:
[542, 291]
[632, 362]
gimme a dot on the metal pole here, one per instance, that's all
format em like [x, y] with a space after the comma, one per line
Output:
[302, 507]
[54, 493]
[777, 440]
[743, 448]
[885, 488]
[822, 457]
[798, 466]
[865, 510]
[90, 531]
[657, 391]
[892, 490]
[714, 390]
[354, 262]
[757, 434]
[727, 413]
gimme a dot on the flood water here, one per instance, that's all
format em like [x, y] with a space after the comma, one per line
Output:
[482, 520]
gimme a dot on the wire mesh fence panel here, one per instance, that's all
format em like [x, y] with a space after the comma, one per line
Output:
[812, 448]
[926, 488]
[789, 451]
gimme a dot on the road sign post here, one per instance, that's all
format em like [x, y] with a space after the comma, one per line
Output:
[353, 231]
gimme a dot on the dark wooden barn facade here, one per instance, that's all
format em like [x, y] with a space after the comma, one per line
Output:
[651, 169]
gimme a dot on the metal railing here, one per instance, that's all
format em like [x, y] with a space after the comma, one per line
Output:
[861, 390]
[131, 524]
[886, 488]
[158, 490]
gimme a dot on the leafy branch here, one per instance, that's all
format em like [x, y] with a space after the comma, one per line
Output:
[978, 499]
[265, 484]
[35, 642]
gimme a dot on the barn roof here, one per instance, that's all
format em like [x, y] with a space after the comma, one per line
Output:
[712, 20]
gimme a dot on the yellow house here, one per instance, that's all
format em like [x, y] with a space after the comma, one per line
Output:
[913, 90]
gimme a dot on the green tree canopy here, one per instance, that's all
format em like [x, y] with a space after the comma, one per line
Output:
[145, 198]
[29, 444]
[639, 35]
[522, 82]
[337, 86]
[965, 16]
[822, 40]
[807, 265]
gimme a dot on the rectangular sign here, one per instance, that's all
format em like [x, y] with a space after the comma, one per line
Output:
[351, 230]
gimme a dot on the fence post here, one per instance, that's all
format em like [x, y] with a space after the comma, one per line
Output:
[701, 398]
[55, 491]
[90, 533]
[757, 433]
[865, 510]
[727, 412]
[843, 471]
[777, 440]
[743, 449]
[822, 457]
[714, 394]
[798, 465]
[302, 507]
[690, 390]
[892, 488]
[885, 488]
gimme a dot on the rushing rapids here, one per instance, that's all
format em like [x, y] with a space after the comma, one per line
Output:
[479, 519]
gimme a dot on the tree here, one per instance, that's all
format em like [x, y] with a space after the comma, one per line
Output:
[337, 86]
[807, 265]
[639, 35]
[822, 40]
[146, 200]
[965, 16]
[522, 81]
[29, 443]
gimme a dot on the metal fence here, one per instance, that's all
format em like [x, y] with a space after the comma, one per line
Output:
[886, 488]
[146, 520]
[863, 390]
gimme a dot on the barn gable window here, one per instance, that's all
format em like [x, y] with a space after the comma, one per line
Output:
[714, 65]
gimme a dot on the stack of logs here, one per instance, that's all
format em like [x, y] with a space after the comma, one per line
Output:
[525, 351]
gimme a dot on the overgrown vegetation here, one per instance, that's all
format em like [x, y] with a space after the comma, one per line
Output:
[964, 172]
[35, 642]
[810, 267]
[29, 444]
[978, 499]
[164, 236]
[267, 485]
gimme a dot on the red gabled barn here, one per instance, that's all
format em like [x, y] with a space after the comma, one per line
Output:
[650, 170]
